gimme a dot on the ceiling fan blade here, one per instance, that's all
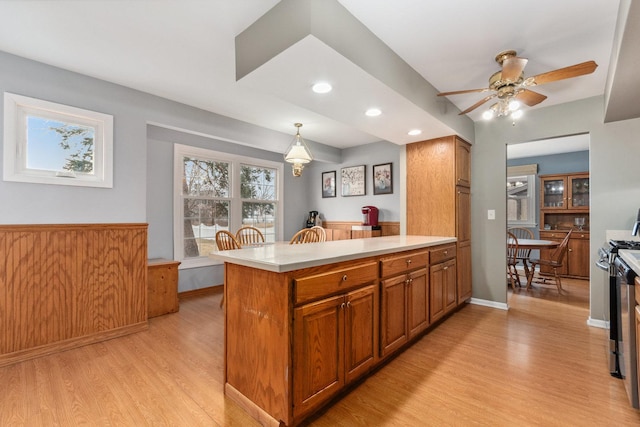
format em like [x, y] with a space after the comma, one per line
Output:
[562, 73]
[512, 68]
[477, 104]
[459, 92]
[530, 97]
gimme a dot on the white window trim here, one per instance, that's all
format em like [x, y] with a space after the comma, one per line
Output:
[531, 184]
[16, 109]
[179, 152]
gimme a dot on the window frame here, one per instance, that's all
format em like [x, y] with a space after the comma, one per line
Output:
[531, 197]
[180, 151]
[16, 110]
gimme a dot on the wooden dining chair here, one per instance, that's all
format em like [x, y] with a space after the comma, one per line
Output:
[226, 241]
[554, 262]
[512, 260]
[248, 235]
[306, 235]
[321, 233]
[523, 254]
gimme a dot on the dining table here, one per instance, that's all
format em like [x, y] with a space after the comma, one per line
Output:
[533, 244]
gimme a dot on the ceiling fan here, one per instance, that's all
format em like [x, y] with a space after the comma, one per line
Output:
[511, 88]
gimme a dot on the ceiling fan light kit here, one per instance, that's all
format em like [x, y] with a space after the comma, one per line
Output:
[511, 88]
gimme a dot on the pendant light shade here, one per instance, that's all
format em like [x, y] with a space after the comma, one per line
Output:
[298, 153]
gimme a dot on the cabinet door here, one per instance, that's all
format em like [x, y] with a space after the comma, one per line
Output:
[463, 163]
[578, 191]
[318, 365]
[451, 285]
[463, 264]
[417, 302]
[393, 322]
[436, 291]
[553, 192]
[638, 340]
[361, 331]
[463, 214]
[578, 255]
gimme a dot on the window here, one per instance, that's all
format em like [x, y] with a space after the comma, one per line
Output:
[49, 143]
[218, 191]
[521, 196]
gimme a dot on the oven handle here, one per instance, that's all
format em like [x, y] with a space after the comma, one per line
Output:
[603, 265]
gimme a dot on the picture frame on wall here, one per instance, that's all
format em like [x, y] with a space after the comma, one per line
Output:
[352, 181]
[383, 178]
[328, 184]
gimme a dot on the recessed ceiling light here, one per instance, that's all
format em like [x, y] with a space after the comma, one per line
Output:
[414, 132]
[321, 87]
[372, 112]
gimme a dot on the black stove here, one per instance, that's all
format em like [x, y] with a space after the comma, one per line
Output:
[616, 245]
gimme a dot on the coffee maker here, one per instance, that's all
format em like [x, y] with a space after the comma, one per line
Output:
[312, 220]
[370, 216]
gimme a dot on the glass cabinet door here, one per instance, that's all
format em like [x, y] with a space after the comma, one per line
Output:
[579, 197]
[554, 193]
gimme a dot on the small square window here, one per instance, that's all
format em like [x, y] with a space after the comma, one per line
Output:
[49, 143]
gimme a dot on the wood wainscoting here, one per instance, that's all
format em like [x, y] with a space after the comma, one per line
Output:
[64, 286]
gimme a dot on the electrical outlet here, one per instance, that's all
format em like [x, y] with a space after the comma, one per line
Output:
[491, 214]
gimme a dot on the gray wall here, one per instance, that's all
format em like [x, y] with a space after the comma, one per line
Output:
[615, 185]
[137, 195]
[349, 208]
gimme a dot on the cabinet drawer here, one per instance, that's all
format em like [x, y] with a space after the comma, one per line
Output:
[320, 285]
[579, 235]
[442, 254]
[552, 235]
[405, 262]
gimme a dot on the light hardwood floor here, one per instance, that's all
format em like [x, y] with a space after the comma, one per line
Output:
[535, 364]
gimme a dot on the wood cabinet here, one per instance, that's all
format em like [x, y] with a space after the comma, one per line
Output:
[442, 282]
[296, 339]
[405, 299]
[162, 286]
[637, 313]
[439, 198]
[576, 263]
[564, 201]
[336, 342]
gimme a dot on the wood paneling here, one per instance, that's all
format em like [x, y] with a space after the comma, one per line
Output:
[68, 285]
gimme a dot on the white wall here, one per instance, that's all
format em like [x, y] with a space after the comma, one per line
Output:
[615, 186]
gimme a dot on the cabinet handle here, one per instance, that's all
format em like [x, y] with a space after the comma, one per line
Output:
[446, 252]
[408, 261]
[446, 268]
[344, 278]
[570, 250]
[348, 304]
[342, 306]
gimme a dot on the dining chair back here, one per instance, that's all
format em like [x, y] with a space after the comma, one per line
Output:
[322, 234]
[226, 241]
[554, 262]
[522, 233]
[512, 260]
[306, 235]
[248, 235]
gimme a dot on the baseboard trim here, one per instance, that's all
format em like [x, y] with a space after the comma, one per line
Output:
[597, 323]
[487, 303]
[215, 289]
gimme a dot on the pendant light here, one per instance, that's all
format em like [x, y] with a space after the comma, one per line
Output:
[298, 153]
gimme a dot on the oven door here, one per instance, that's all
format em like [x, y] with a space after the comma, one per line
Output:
[627, 346]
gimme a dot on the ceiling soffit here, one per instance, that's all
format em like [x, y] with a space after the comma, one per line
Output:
[291, 22]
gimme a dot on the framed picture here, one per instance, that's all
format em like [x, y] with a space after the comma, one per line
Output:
[328, 184]
[382, 179]
[353, 181]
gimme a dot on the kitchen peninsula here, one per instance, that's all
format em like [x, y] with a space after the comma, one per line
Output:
[302, 322]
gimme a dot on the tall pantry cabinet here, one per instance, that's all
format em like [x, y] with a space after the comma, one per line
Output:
[439, 198]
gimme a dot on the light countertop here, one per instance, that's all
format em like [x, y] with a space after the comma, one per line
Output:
[632, 258]
[281, 257]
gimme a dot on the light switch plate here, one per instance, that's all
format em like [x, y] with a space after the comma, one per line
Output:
[491, 214]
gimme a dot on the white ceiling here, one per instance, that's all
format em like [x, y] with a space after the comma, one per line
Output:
[185, 51]
[547, 147]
